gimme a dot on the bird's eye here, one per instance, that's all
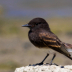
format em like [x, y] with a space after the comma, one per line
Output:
[38, 23]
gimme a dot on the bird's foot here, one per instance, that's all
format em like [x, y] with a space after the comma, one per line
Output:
[45, 64]
[56, 65]
[41, 63]
[53, 64]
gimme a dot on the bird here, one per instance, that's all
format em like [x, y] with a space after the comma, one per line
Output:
[41, 36]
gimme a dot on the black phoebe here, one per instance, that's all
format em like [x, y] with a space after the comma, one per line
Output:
[41, 36]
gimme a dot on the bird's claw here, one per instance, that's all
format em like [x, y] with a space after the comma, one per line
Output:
[53, 64]
[56, 64]
[45, 64]
[36, 64]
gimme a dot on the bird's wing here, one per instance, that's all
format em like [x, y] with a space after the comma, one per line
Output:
[52, 41]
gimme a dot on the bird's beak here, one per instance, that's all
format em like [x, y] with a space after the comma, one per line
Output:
[26, 25]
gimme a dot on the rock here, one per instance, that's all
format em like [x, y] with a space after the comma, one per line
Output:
[44, 68]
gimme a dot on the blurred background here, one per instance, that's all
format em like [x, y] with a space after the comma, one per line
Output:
[15, 47]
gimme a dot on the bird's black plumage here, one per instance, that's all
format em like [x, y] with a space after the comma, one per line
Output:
[41, 36]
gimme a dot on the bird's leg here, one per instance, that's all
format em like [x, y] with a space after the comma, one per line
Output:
[54, 63]
[45, 58]
[41, 63]
[53, 59]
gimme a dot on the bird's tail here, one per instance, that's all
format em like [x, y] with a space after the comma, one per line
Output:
[68, 46]
[69, 49]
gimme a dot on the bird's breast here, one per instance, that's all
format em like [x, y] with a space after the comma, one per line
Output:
[35, 39]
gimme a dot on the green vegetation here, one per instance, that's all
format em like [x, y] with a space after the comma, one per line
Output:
[61, 25]
[13, 27]
[9, 65]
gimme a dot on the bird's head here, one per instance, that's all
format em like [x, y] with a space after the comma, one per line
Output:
[37, 23]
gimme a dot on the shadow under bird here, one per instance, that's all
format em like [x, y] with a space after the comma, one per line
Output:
[41, 36]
